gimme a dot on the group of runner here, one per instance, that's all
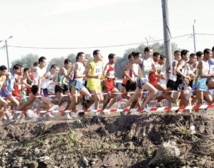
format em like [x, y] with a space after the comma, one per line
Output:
[191, 79]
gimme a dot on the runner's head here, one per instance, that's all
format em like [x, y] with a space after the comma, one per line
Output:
[177, 55]
[148, 52]
[207, 54]
[97, 55]
[54, 69]
[80, 57]
[67, 63]
[112, 58]
[162, 60]
[131, 56]
[185, 55]
[156, 56]
[199, 55]
[16, 69]
[193, 58]
[34, 89]
[42, 61]
[3, 70]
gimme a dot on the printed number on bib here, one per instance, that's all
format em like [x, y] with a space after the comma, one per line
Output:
[98, 70]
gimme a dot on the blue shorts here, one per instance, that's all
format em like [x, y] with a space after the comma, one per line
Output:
[78, 85]
[201, 85]
[44, 92]
[4, 93]
[140, 82]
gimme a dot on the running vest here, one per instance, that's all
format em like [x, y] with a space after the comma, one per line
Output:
[96, 69]
[38, 74]
[110, 71]
[211, 65]
[2, 80]
[81, 70]
[45, 83]
[206, 69]
[171, 75]
[147, 67]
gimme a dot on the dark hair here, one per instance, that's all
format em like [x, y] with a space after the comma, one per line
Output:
[176, 52]
[111, 56]
[162, 57]
[147, 49]
[34, 89]
[35, 64]
[155, 54]
[184, 52]
[95, 52]
[16, 66]
[41, 59]
[199, 54]
[213, 49]
[206, 51]
[136, 54]
[78, 55]
[26, 69]
[54, 66]
[3, 67]
[192, 55]
[66, 61]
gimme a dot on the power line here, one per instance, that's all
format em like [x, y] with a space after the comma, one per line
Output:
[108, 46]
[204, 34]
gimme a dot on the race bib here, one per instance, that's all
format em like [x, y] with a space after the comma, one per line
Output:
[111, 74]
[98, 70]
[211, 69]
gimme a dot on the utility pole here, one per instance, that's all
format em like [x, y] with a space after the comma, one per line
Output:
[8, 61]
[166, 32]
[194, 42]
[6, 48]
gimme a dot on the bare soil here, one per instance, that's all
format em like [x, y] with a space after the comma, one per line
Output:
[109, 142]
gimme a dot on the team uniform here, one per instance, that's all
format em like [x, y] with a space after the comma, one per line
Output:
[9, 85]
[201, 83]
[109, 81]
[96, 69]
[45, 85]
[172, 78]
[78, 83]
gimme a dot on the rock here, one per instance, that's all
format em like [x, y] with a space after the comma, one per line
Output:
[130, 145]
[85, 161]
[36, 151]
[44, 158]
[33, 164]
[201, 128]
[166, 153]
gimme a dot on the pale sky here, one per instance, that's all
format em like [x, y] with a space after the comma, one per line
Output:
[94, 23]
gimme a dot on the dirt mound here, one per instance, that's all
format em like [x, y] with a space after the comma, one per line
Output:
[169, 140]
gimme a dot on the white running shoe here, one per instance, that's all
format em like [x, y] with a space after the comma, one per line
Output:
[67, 116]
[50, 115]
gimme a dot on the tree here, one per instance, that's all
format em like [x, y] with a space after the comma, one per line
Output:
[58, 61]
[26, 61]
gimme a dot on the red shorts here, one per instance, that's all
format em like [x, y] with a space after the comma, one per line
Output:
[153, 80]
[110, 85]
[16, 92]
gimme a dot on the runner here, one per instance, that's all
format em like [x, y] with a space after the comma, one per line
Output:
[109, 75]
[4, 112]
[202, 74]
[94, 75]
[78, 90]
[142, 82]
